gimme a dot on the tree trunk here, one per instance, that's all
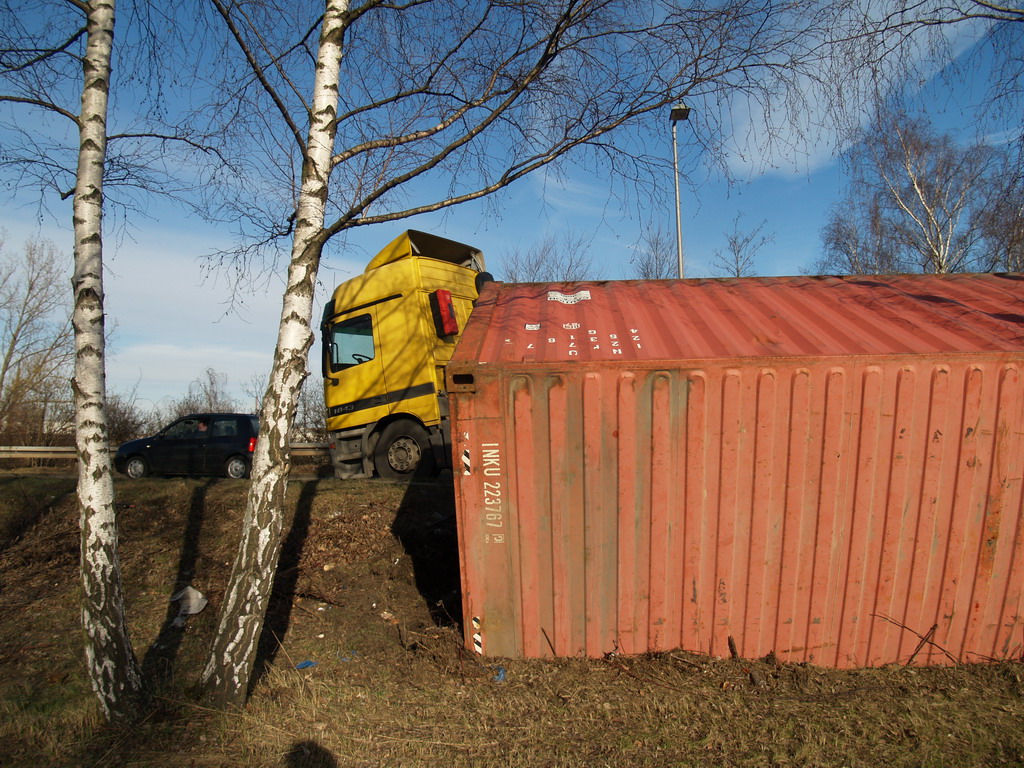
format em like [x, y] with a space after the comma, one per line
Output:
[227, 673]
[112, 666]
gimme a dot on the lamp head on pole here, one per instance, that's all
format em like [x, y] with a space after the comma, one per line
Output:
[679, 112]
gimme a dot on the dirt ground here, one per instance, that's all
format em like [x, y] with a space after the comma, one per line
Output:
[362, 661]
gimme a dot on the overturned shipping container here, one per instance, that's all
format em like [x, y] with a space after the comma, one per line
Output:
[827, 468]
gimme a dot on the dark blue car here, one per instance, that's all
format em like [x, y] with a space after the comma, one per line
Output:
[199, 444]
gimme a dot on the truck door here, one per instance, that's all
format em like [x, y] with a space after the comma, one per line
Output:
[408, 372]
[355, 372]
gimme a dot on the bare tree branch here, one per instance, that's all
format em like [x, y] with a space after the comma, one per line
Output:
[739, 259]
[50, 106]
[38, 56]
[257, 69]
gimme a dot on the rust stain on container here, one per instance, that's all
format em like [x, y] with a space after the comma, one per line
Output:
[826, 468]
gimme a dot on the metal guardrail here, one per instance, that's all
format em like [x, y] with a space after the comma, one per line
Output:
[38, 452]
[70, 452]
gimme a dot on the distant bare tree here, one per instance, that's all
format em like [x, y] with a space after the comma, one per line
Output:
[36, 346]
[856, 240]
[126, 419]
[914, 201]
[311, 414]
[655, 257]
[254, 389]
[564, 257]
[739, 259]
[1001, 221]
[206, 394]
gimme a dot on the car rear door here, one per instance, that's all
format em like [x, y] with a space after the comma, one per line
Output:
[227, 438]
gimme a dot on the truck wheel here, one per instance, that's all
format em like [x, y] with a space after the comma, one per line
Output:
[403, 451]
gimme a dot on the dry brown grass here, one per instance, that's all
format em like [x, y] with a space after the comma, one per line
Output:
[393, 688]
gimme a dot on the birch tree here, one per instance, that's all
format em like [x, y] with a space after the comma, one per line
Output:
[245, 603]
[55, 54]
[915, 202]
[112, 665]
[436, 103]
[888, 48]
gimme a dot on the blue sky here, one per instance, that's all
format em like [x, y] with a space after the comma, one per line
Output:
[173, 316]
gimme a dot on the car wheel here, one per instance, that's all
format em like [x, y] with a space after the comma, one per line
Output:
[136, 467]
[403, 451]
[236, 468]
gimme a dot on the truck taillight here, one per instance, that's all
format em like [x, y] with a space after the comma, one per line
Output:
[443, 309]
[252, 444]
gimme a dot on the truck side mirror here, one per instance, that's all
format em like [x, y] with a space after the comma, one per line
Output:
[325, 362]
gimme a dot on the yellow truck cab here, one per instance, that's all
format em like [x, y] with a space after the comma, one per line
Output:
[387, 337]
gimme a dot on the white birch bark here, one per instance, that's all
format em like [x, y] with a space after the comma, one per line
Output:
[112, 666]
[228, 670]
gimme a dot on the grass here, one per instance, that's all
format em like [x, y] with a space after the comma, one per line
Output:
[392, 687]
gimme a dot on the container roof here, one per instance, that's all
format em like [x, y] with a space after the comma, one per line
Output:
[746, 318]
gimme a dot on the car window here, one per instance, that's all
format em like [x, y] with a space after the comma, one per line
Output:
[255, 424]
[187, 428]
[224, 428]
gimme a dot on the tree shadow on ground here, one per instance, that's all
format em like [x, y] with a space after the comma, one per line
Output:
[425, 526]
[29, 510]
[158, 663]
[282, 593]
[309, 754]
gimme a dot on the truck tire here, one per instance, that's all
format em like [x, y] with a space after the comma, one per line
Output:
[403, 451]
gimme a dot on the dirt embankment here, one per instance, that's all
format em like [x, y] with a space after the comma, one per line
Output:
[362, 662]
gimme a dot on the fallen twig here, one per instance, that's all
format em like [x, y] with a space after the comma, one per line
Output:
[927, 638]
[924, 638]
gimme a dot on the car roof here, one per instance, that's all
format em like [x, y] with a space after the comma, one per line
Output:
[209, 415]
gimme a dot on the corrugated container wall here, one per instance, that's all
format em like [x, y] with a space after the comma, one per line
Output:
[826, 468]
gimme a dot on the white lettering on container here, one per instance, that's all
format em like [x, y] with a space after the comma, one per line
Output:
[569, 298]
[493, 499]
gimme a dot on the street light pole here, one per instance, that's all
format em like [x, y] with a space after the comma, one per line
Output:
[679, 112]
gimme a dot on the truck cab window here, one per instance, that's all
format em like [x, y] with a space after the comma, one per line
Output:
[351, 342]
